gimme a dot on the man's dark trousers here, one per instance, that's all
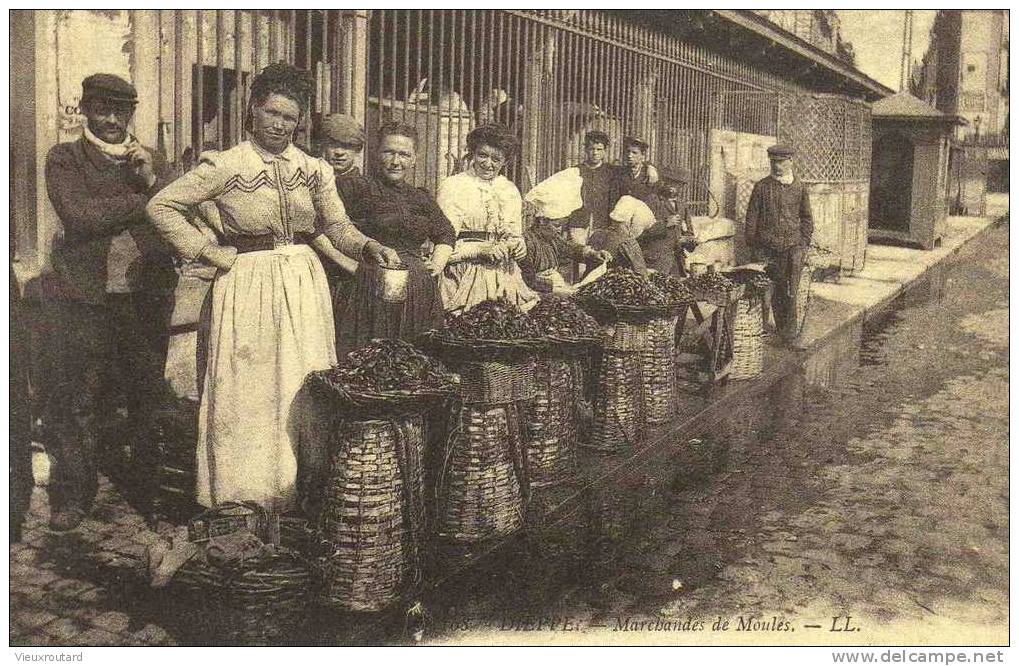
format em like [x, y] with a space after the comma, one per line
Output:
[785, 267]
[96, 352]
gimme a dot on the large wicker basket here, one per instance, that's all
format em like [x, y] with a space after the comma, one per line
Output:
[618, 421]
[497, 382]
[747, 339]
[483, 481]
[550, 425]
[372, 515]
[254, 602]
[658, 386]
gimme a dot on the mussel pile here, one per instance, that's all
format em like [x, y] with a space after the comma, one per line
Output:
[676, 292]
[562, 318]
[386, 365]
[623, 286]
[492, 320]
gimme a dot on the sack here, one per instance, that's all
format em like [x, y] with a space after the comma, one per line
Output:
[558, 195]
[635, 215]
[716, 248]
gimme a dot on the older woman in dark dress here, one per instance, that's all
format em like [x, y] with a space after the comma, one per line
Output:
[403, 217]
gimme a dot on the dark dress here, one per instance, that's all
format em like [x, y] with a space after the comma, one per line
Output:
[626, 252]
[402, 217]
[663, 244]
[352, 187]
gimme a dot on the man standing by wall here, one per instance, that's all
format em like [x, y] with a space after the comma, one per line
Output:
[107, 307]
[778, 230]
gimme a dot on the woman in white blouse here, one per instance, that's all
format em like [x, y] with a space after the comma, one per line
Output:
[485, 210]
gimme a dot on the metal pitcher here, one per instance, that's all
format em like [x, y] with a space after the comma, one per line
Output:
[389, 283]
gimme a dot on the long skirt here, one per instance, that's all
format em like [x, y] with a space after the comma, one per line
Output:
[367, 316]
[467, 283]
[271, 324]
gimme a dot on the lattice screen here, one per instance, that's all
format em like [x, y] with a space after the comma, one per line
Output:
[831, 134]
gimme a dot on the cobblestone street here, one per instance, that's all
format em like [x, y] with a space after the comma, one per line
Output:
[884, 498]
[896, 510]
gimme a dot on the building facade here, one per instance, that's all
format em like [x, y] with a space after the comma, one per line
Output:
[549, 74]
[965, 70]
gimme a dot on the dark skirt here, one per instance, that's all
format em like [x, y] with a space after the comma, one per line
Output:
[366, 317]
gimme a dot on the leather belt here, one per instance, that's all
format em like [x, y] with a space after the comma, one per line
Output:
[476, 235]
[264, 242]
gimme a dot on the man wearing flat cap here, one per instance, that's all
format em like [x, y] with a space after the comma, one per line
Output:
[779, 226]
[108, 300]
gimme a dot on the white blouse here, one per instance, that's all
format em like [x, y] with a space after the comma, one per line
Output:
[474, 204]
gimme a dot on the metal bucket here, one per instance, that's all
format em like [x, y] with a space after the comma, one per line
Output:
[389, 283]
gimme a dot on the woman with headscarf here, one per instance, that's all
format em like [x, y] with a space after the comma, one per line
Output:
[270, 321]
[486, 212]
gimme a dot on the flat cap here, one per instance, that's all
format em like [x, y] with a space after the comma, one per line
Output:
[781, 150]
[633, 141]
[108, 87]
[343, 129]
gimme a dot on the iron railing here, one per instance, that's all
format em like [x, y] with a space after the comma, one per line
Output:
[207, 59]
[550, 75]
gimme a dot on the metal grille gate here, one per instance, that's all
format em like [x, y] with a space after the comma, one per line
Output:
[551, 75]
[206, 59]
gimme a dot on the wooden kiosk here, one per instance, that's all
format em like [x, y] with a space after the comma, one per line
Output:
[909, 171]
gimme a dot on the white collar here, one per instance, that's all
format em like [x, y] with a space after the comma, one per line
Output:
[286, 154]
[116, 152]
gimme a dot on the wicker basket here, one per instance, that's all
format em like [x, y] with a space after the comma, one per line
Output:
[657, 373]
[605, 312]
[483, 483]
[372, 513]
[618, 421]
[497, 382]
[259, 602]
[626, 336]
[550, 426]
[747, 339]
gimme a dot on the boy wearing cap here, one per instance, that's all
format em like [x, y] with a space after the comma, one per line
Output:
[665, 243]
[341, 141]
[640, 176]
[779, 226]
[341, 144]
[108, 302]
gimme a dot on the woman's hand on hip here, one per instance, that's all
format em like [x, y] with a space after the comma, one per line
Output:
[381, 254]
[220, 256]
